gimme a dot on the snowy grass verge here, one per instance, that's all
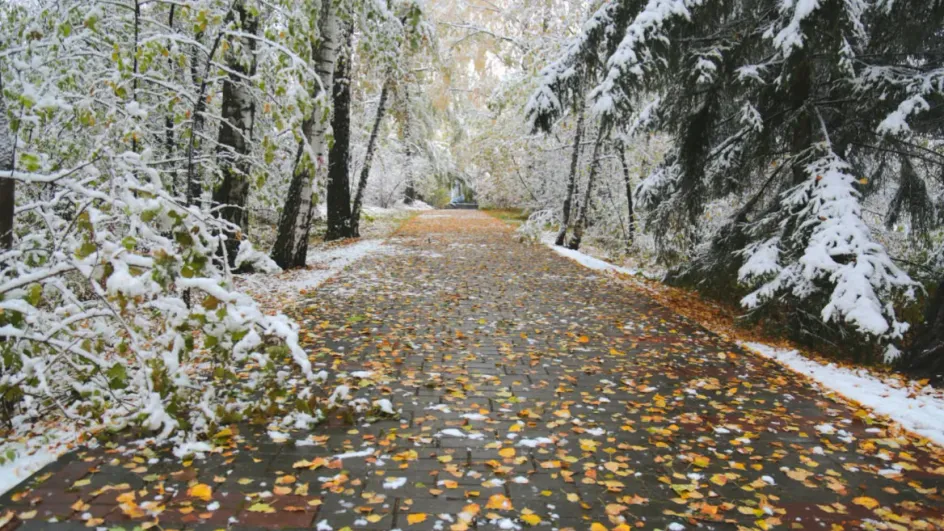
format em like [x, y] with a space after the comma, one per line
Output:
[589, 261]
[920, 411]
[323, 263]
[25, 456]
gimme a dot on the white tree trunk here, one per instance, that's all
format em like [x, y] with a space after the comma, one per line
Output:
[291, 245]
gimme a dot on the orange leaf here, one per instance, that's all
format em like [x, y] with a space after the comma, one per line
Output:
[498, 501]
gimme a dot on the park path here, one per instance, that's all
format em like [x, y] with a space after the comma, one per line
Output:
[529, 392]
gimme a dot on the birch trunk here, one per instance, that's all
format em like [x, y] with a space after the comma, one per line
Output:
[572, 183]
[368, 158]
[339, 159]
[581, 223]
[291, 243]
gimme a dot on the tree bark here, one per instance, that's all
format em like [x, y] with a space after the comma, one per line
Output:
[409, 193]
[194, 180]
[291, 242]
[631, 220]
[340, 223]
[7, 185]
[581, 223]
[368, 158]
[238, 109]
[572, 183]
[925, 357]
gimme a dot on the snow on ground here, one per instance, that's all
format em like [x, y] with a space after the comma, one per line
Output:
[919, 411]
[31, 454]
[586, 260]
[323, 263]
[329, 262]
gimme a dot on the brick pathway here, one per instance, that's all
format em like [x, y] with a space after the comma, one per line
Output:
[531, 392]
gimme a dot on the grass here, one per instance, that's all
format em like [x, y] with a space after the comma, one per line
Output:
[512, 216]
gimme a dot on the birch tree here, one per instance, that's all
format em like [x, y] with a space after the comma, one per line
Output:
[291, 244]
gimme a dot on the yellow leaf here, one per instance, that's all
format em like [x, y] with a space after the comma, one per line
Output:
[583, 339]
[865, 501]
[597, 527]
[201, 491]
[573, 497]
[261, 508]
[531, 519]
[415, 518]
[285, 480]
[507, 452]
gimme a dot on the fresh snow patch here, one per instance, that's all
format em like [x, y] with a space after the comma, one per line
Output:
[534, 443]
[362, 453]
[385, 406]
[474, 416]
[452, 432]
[921, 412]
[394, 483]
[278, 436]
[191, 448]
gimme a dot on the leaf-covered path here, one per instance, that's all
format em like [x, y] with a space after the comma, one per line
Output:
[529, 392]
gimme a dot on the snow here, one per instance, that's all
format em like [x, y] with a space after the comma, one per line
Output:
[534, 443]
[453, 432]
[829, 207]
[385, 406]
[362, 453]
[921, 412]
[585, 260]
[332, 261]
[31, 455]
[394, 483]
[191, 448]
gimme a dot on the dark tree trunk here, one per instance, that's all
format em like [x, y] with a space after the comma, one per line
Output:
[926, 355]
[238, 109]
[581, 224]
[291, 242]
[194, 182]
[409, 192]
[368, 158]
[7, 186]
[340, 224]
[631, 220]
[170, 144]
[572, 183]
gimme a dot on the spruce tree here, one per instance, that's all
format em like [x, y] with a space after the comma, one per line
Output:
[790, 114]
